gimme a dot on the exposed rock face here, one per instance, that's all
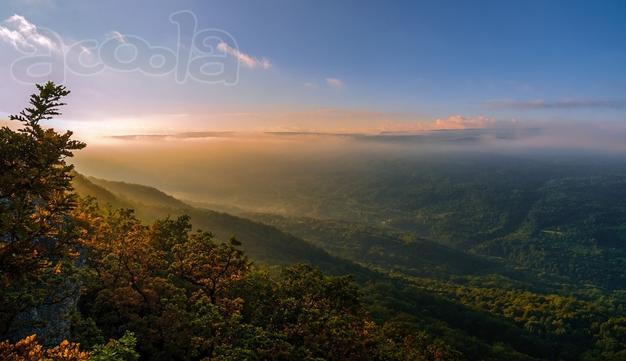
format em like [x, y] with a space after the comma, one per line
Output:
[51, 321]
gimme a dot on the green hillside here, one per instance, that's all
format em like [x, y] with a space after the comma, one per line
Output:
[386, 248]
[558, 217]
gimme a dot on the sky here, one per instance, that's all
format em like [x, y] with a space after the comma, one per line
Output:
[317, 65]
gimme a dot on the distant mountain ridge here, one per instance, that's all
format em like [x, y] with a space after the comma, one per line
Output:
[263, 243]
[140, 194]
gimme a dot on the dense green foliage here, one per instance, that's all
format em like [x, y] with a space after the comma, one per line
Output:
[556, 217]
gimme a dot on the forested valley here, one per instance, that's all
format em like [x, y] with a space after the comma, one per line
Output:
[476, 259]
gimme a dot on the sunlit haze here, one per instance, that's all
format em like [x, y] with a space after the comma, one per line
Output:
[328, 66]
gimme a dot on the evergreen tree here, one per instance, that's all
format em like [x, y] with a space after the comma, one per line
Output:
[36, 200]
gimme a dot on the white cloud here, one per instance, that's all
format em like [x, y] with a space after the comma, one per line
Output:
[335, 83]
[12, 36]
[117, 36]
[245, 59]
[461, 122]
[23, 35]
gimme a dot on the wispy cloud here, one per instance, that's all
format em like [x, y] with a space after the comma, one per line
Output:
[245, 59]
[335, 83]
[461, 122]
[24, 35]
[557, 104]
[117, 36]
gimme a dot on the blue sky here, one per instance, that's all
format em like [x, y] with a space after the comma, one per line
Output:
[348, 65]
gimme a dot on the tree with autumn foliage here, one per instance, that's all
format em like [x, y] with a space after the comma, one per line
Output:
[29, 349]
[165, 282]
